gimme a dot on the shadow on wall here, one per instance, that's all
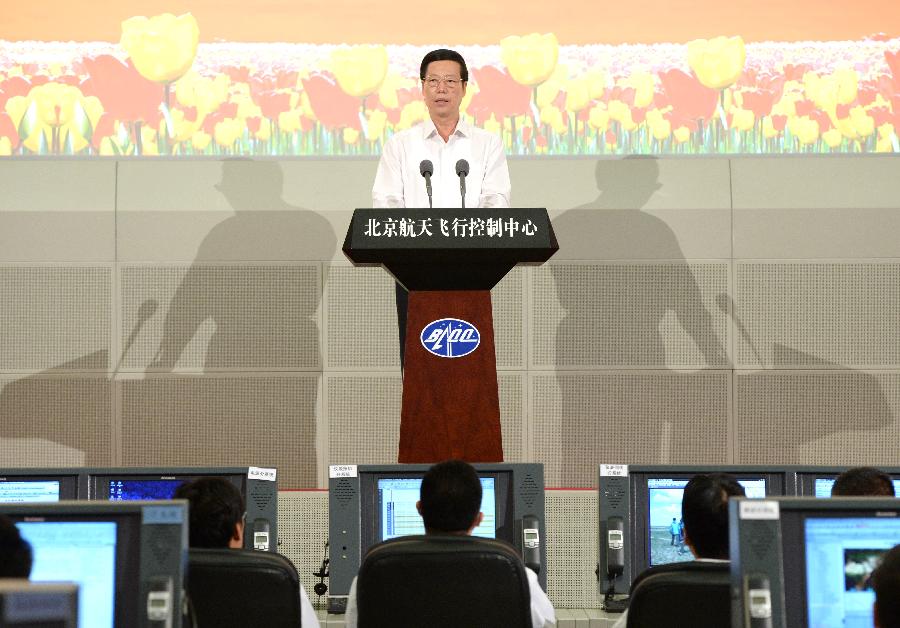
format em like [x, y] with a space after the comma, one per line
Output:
[258, 321]
[615, 317]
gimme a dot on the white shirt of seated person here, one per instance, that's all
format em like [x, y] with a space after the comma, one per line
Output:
[443, 139]
[308, 616]
[542, 613]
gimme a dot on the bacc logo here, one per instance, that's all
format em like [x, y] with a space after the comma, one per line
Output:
[450, 338]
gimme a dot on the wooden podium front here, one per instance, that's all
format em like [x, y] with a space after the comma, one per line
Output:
[449, 259]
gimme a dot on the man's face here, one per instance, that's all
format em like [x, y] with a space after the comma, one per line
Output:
[443, 89]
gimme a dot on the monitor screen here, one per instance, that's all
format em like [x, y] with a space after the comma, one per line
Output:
[83, 552]
[22, 491]
[823, 486]
[140, 490]
[666, 529]
[397, 499]
[841, 553]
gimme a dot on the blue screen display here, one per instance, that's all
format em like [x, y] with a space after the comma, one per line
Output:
[25, 491]
[823, 486]
[140, 490]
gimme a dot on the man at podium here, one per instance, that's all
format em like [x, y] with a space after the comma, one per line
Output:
[444, 161]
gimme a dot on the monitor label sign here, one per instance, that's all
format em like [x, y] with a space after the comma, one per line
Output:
[613, 470]
[262, 473]
[759, 509]
[342, 471]
[450, 338]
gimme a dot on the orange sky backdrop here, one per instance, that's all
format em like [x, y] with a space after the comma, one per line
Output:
[465, 22]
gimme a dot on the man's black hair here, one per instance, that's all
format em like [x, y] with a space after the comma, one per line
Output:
[863, 481]
[216, 506]
[444, 54]
[886, 582]
[15, 552]
[704, 509]
[450, 496]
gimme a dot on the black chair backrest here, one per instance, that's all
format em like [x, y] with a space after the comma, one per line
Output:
[443, 582]
[680, 595]
[232, 588]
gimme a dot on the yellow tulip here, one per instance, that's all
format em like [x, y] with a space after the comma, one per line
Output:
[264, 132]
[596, 81]
[549, 89]
[642, 83]
[200, 140]
[599, 118]
[387, 93]
[227, 132]
[530, 59]
[148, 141]
[471, 90]
[351, 136]
[846, 127]
[804, 129]
[717, 62]
[578, 95]
[162, 47]
[682, 134]
[769, 130]
[886, 130]
[554, 117]
[5, 147]
[55, 102]
[412, 113]
[661, 129]
[289, 121]
[204, 94]
[742, 119]
[884, 145]
[621, 113]
[491, 125]
[375, 125]
[248, 109]
[833, 138]
[360, 70]
[863, 123]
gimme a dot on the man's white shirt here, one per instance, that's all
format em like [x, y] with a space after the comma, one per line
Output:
[399, 183]
[542, 613]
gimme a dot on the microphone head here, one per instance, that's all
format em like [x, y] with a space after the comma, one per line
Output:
[426, 168]
[462, 168]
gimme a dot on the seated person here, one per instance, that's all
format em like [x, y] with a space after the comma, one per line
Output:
[886, 582]
[15, 552]
[863, 481]
[450, 499]
[217, 519]
[704, 510]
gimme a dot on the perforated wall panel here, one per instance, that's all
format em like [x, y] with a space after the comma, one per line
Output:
[581, 419]
[56, 421]
[302, 533]
[831, 417]
[653, 315]
[511, 387]
[54, 317]
[507, 299]
[221, 317]
[363, 418]
[819, 314]
[361, 318]
[571, 548]
[198, 420]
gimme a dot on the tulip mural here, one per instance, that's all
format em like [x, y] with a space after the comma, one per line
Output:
[158, 91]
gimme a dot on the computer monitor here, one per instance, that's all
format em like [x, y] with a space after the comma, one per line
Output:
[368, 504]
[641, 504]
[808, 562]
[25, 604]
[38, 485]
[817, 481]
[128, 558]
[258, 486]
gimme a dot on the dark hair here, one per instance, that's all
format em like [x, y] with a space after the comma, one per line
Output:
[443, 54]
[450, 496]
[216, 507]
[863, 481]
[704, 509]
[15, 552]
[886, 582]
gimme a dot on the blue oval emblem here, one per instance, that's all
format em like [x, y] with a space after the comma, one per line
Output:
[450, 338]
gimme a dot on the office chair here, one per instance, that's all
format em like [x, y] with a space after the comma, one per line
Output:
[681, 595]
[443, 582]
[230, 588]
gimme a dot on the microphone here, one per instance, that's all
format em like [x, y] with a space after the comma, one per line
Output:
[462, 170]
[427, 169]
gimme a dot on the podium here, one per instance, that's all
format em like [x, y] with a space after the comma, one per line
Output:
[449, 259]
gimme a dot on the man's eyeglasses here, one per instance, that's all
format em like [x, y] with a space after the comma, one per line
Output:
[452, 82]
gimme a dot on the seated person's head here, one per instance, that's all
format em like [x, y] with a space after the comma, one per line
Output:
[216, 513]
[704, 509]
[863, 481]
[886, 582]
[15, 552]
[450, 498]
